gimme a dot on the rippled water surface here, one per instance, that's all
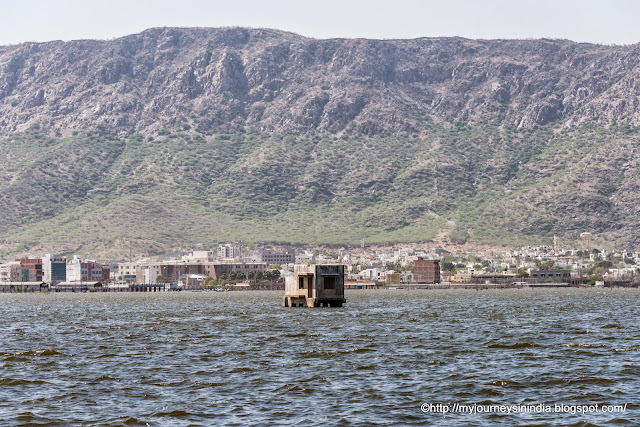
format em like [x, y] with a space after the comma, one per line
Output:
[239, 358]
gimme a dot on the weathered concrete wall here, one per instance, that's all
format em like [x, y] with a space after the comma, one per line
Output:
[332, 271]
[322, 284]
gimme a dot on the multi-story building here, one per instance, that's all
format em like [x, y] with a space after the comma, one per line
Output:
[150, 275]
[176, 270]
[146, 272]
[149, 272]
[73, 270]
[426, 270]
[228, 251]
[269, 257]
[31, 269]
[84, 271]
[130, 270]
[556, 276]
[10, 272]
[372, 274]
[199, 256]
[304, 257]
[216, 270]
[92, 271]
[54, 270]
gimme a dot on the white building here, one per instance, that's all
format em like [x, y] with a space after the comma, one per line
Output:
[372, 274]
[199, 256]
[150, 275]
[74, 271]
[304, 257]
[228, 251]
[83, 271]
[10, 272]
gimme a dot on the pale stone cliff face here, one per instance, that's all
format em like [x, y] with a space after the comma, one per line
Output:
[228, 79]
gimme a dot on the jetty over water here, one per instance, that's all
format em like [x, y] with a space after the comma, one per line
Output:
[111, 287]
[23, 287]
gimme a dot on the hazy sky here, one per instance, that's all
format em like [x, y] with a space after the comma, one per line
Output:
[598, 21]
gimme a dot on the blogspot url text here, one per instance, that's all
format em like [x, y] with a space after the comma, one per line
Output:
[476, 408]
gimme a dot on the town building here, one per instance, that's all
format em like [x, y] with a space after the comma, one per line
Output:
[84, 271]
[392, 278]
[175, 271]
[304, 257]
[31, 269]
[54, 270]
[199, 256]
[280, 258]
[216, 270]
[228, 251]
[426, 270]
[150, 275]
[106, 274]
[10, 272]
[130, 270]
[375, 274]
[555, 276]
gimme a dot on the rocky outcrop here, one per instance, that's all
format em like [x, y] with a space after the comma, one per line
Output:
[232, 78]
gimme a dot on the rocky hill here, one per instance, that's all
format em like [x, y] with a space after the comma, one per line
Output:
[197, 135]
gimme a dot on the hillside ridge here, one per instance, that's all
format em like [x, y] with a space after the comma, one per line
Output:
[225, 80]
[197, 135]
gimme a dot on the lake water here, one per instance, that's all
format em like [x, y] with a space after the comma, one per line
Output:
[239, 358]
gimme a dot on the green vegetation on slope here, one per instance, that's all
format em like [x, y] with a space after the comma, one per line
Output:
[497, 184]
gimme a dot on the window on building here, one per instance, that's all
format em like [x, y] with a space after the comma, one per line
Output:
[300, 282]
[329, 282]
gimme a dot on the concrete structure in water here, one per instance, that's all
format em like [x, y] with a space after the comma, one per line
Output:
[314, 286]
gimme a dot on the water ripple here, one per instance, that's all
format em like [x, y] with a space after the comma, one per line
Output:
[239, 358]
